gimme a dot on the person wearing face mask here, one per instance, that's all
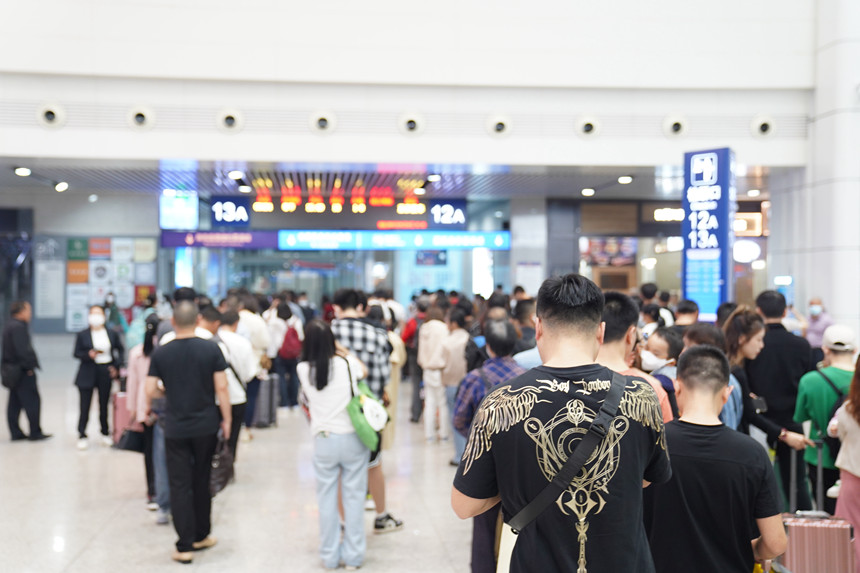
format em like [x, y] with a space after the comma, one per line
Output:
[659, 356]
[819, 321]
[100, 351]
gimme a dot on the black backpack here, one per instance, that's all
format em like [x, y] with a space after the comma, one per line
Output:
[833, 444]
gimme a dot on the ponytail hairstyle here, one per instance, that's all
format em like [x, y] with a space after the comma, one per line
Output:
[318, 350]
[653, 312]
[852, 405]
[740, 326]
[151, 326]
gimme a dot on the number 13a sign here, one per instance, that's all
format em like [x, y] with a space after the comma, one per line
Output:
[710, 202]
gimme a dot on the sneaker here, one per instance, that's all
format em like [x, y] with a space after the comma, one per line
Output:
[369, 504]
[83, 443]
[386, 524]
[107, 441]
[352, 567]
[151, 506]
[162, 517]
[204, 544]
[833, 491]
[185, 557]
[246, 435]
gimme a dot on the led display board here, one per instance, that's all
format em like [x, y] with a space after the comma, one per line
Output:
[178, 210]
[710, 203]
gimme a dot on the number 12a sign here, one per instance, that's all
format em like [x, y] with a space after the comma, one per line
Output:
[231, 211]
[710, 203]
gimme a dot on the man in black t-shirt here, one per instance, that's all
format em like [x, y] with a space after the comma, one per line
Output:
[524, 431]
[191, 370]
[722, 487]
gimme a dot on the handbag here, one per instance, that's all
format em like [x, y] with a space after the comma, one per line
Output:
[366, 412]
[222, 466]
[291, 347]
[570, 469]
[132, 441]
[10, 374]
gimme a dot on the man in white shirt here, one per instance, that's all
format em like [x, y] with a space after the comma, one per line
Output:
[254, 328]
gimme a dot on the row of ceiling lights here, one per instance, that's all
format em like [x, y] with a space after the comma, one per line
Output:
[59, 186]
[239, 177]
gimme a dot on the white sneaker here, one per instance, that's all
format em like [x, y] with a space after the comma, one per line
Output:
[369, 504]
[833, 491]
[162, 517]
[83, 443]
[107, 441]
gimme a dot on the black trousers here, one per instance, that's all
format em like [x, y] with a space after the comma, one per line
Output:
[103, 385]
[149, 467]
[484, 540]
[24, 396]
[189, 466]
[416, 373]
[830, 477]
[237, 411]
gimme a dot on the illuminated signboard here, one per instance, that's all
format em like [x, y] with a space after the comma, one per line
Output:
[709, 202]
[178, 210]
[447, 214]
[313, 240]
[231, 211]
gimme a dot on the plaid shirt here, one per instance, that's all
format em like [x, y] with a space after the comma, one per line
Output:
[370, 345]
[472, 390]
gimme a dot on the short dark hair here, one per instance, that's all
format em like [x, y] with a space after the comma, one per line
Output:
[375, 314]
[210, 314]
[501, 336]
[704, 367]
[229, 318]
[346, 298]
[519, 289]
[184, 293]
[652, 310]
[457, 316]
[17, 307]
[771, 303]
[570, 301]
[422, 303]
[687, 307]
[497, 300]
[466, 306]
[619, 314]
[665, 296]
[185, 314]
[648, 291]
[673, 339]
[724, 311]
[524, 309]
[704, 333]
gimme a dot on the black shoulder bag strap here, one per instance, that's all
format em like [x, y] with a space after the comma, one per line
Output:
[839, 393]
[570, 469]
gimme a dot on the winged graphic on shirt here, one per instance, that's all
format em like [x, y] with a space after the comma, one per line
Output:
[501, 410]
[556, 438]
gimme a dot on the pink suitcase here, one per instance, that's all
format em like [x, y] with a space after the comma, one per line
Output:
[817, 543]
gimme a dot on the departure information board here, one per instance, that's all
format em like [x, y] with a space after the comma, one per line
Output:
[710, 203]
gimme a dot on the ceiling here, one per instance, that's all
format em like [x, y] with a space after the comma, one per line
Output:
[476, 182]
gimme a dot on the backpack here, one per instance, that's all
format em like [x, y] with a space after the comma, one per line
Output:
[833, 444]
[291, 347]
[669, 387]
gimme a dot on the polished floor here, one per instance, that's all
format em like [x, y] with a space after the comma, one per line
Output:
[72, 511]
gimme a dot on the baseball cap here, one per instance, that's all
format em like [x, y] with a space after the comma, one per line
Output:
[840, 338]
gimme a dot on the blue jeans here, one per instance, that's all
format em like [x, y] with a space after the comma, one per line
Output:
[159, 461]
[288, 380]
[459, 439]
[343, 457]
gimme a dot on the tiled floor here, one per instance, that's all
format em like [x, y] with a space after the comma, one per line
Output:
[70, 511]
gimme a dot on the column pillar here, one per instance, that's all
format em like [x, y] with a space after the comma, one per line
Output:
[528, 243]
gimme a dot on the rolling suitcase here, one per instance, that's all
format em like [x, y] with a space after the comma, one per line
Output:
[817, 543]
[266, 411]
[121, 417]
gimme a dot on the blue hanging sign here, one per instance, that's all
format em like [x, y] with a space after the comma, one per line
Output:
[710, 203]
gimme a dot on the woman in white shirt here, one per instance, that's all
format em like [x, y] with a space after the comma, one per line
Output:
[328, 376]
[846, 426]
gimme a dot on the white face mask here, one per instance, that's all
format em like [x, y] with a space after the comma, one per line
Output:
[96, 320]
[650, 362]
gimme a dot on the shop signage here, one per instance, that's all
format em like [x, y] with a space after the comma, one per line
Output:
[709, 202]
[220, 240]
[231, 212]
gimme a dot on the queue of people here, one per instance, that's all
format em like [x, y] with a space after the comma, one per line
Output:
[510, 385]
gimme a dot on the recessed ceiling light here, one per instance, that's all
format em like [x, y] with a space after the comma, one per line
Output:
[434, 178]
[61, 186]
[93, 198]
[588, 192]
[499, 214]
[625, 179]
[753, 193]
[244, 188]
[22, 171]
[420, 191]
[235, 175]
